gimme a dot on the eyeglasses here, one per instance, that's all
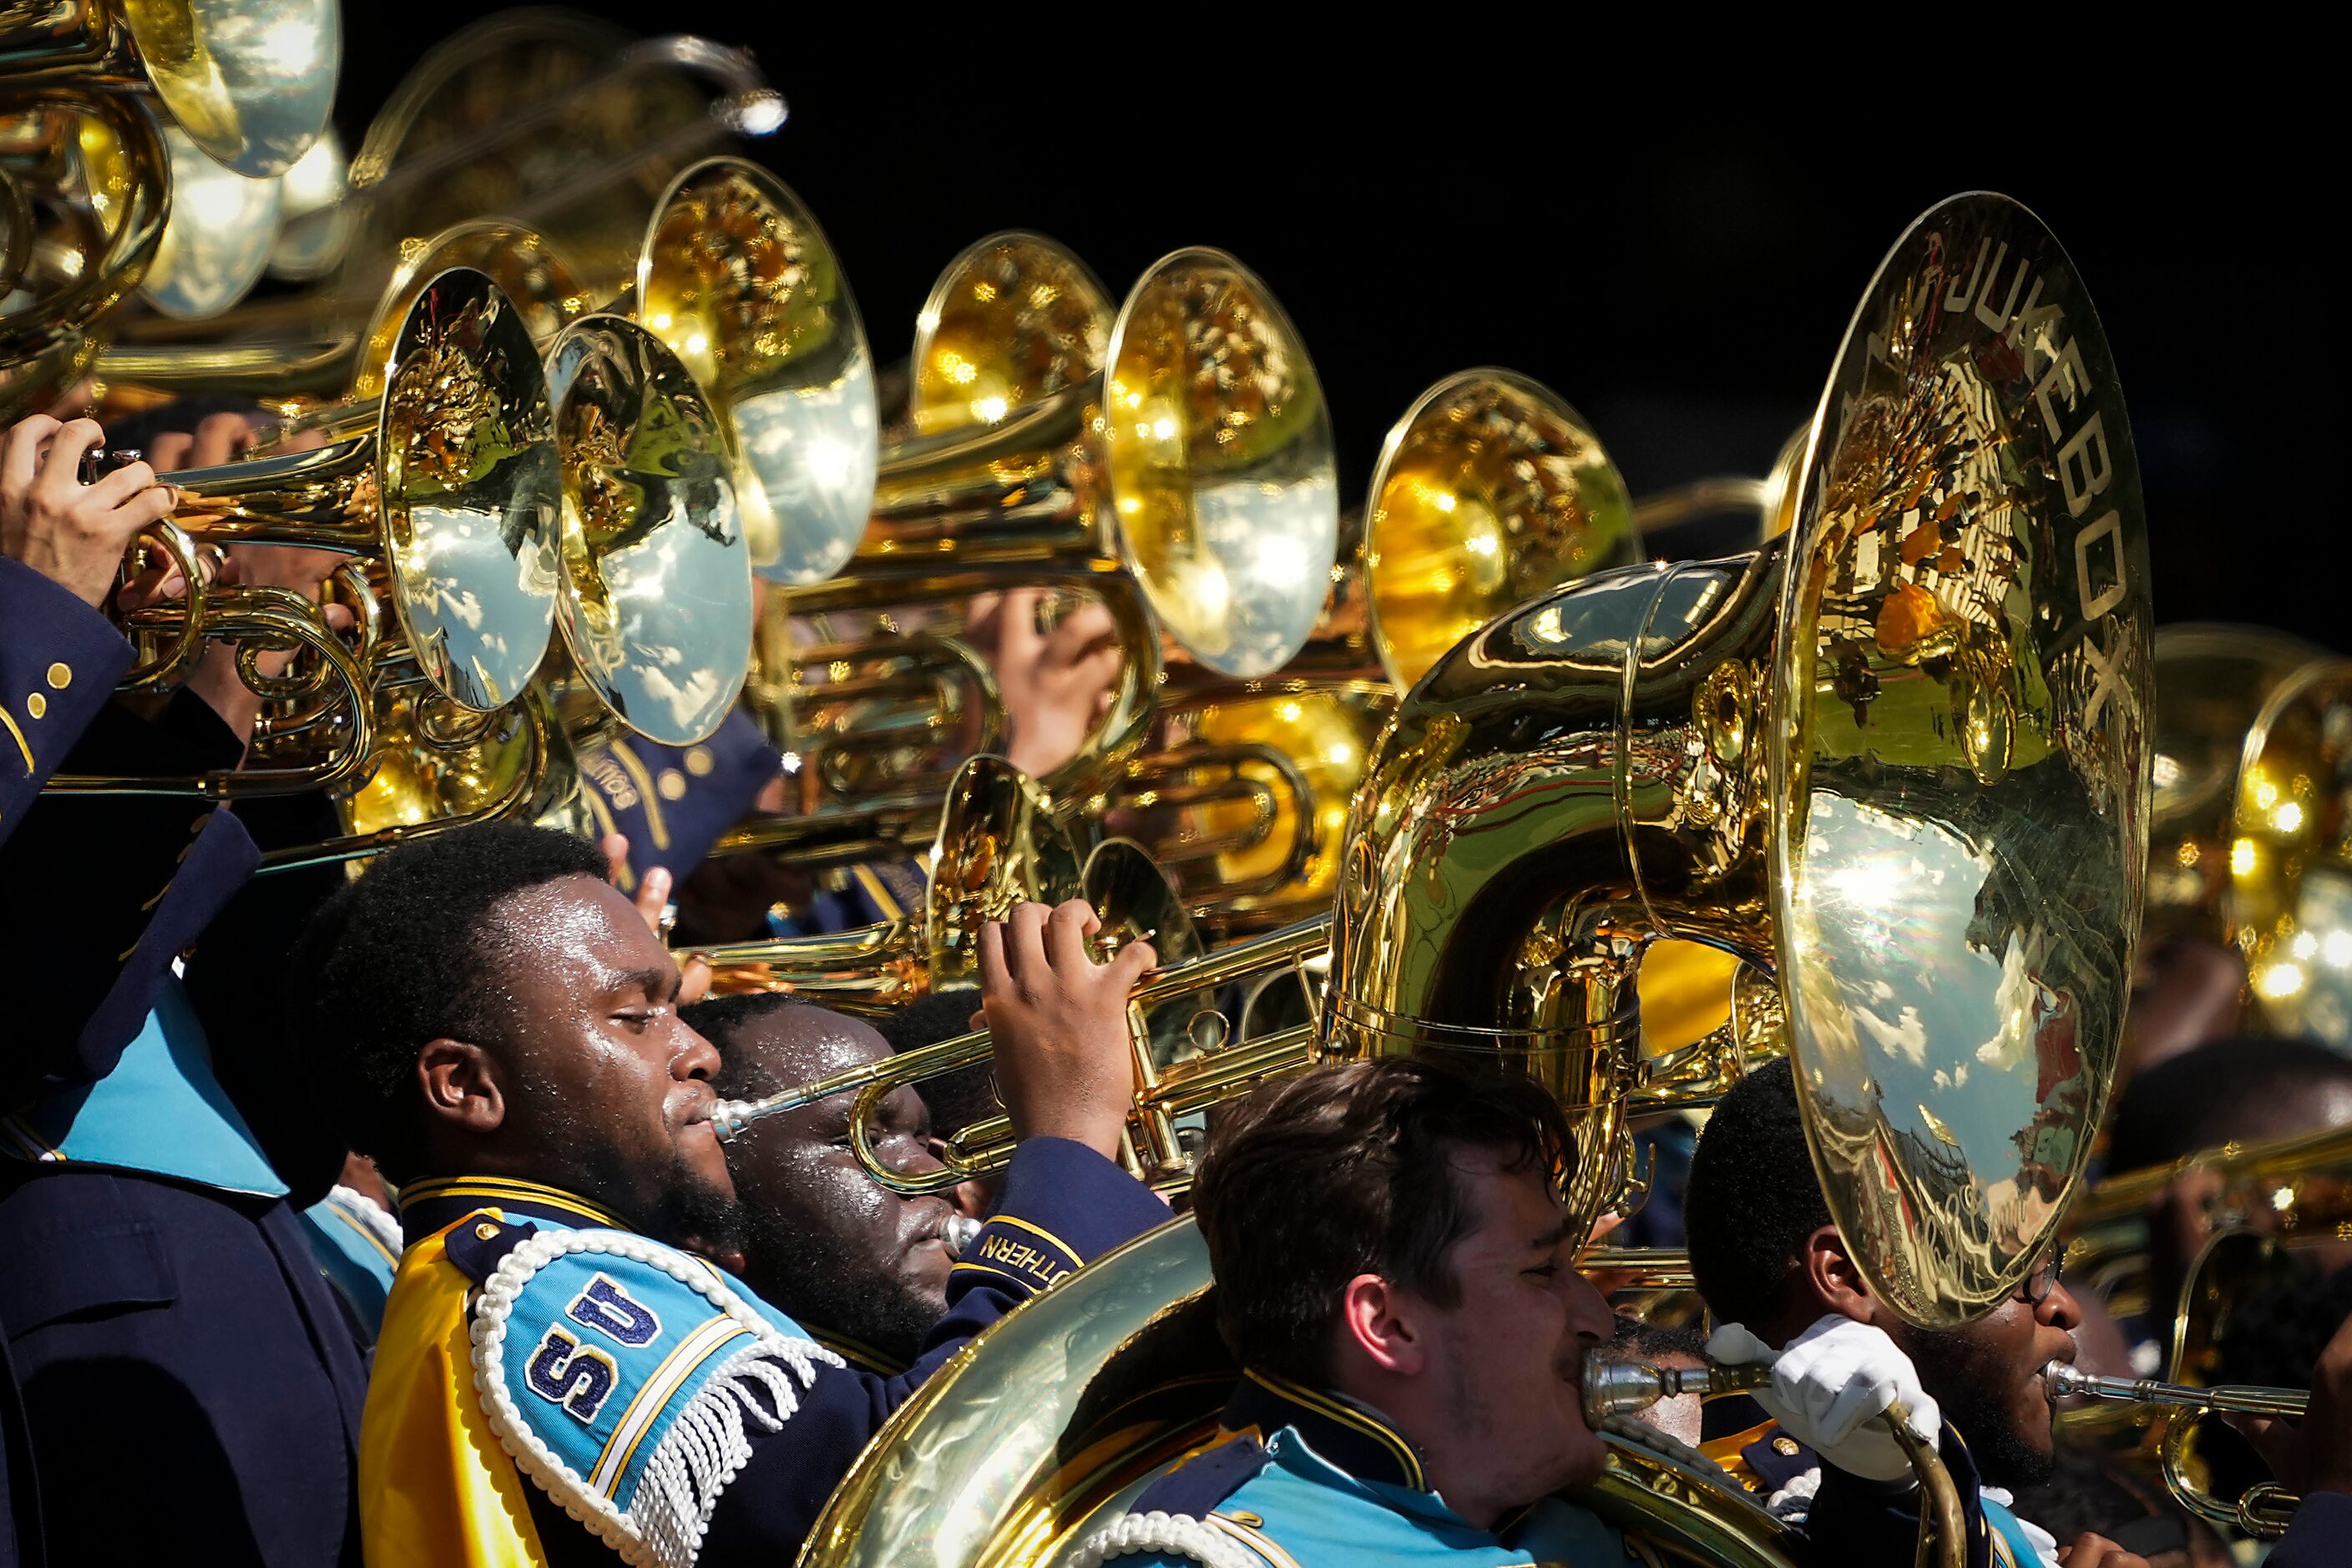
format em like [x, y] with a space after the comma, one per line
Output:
[2037, 1285]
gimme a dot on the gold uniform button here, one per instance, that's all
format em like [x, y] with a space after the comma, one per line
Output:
[671, 784]
[35, 704]
[1785, 1447]
[698, 762]
[484, 1231]
[60, 677]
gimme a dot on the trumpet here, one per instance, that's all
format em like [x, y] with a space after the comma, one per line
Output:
[996, 843]
[1154, 1149]
[448, 509]
[83, 195]
[1188, 485]
[2266, 1507]
[250, 81]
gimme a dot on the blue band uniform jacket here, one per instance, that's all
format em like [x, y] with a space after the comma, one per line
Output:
[1305, 1476]
[543, 1375]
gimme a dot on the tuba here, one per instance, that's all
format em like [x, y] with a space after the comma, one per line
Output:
[1780, 755]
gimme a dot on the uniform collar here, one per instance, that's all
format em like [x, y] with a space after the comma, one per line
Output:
[1352, 1437]
[432, 1206]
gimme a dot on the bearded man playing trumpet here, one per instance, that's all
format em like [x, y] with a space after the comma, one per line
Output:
[555, 1380]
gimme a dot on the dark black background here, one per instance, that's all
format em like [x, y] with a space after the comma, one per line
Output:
[1672, 231]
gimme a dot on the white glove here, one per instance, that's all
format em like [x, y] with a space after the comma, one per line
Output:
[1831, 1385]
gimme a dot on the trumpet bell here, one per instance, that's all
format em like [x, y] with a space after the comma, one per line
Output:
[740, 282]
[1222, 474]
[656, 600]
[218, 239]
[2289, 857]
[251, 81]
[2211, 683]
[1490, 490]
[469, 490]
[999, 846]
[1015, 319]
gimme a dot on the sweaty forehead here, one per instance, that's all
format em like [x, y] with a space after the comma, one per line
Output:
[794, 1043]
[575, 927]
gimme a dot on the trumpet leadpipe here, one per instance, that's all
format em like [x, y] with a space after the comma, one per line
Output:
[2059, 1381]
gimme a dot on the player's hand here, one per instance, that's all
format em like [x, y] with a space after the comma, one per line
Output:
[1064, 1066]
[72, 533]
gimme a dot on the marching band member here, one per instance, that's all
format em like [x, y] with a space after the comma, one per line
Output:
[175, 1279]
[861, 1269]
[1396, 1273]
[555, 1378]
[1783, 1287]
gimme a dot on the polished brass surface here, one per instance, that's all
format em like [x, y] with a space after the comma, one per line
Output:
[1059, 1416]
[1014, 319]
[250, 81]
[739, 280]
[1897, 758]
[218, 239]
[448, 507]
[84, 191]
[2290, 892]
[995, 844]
[2265, 1509]
[1220, 1064]
[1490, 490]
[1772, 498]
[657, 601]
[2211, 681]
[548, 117]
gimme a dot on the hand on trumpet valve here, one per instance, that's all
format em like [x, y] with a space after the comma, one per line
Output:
[2314, 1455]
[1830, 1388]
[1055, 678]
[1064, 1066]
[73, 533]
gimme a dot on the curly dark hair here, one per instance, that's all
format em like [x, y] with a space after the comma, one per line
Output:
[2250, 1087]
[397, 959]
[1345, 1170]
[1752, 1197]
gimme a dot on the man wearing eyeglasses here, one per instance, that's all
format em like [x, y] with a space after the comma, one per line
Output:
[1780, 1278]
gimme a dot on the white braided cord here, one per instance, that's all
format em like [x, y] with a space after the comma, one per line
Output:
[1131, 1535]
[709, 1442]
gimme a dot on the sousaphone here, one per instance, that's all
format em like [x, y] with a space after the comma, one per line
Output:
[1899, 759]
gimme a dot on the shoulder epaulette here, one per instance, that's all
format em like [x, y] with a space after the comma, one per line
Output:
[1174, 1514]
[625, 1379]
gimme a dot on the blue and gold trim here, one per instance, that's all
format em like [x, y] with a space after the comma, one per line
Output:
[433, 1205]
[1352, 1435]
[1015, 1249]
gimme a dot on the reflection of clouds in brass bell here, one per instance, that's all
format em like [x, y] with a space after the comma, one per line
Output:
[256, 88]
[1263, 563]
[810, 452]
[658, 600]
[217, 238]
[470, 491]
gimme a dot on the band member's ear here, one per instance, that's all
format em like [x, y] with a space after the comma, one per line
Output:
[1377, 1318]
[1836, 1284]
[460, 1086]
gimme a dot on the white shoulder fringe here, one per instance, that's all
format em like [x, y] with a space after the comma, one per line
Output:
[1136, 1534]
[707, 1444]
